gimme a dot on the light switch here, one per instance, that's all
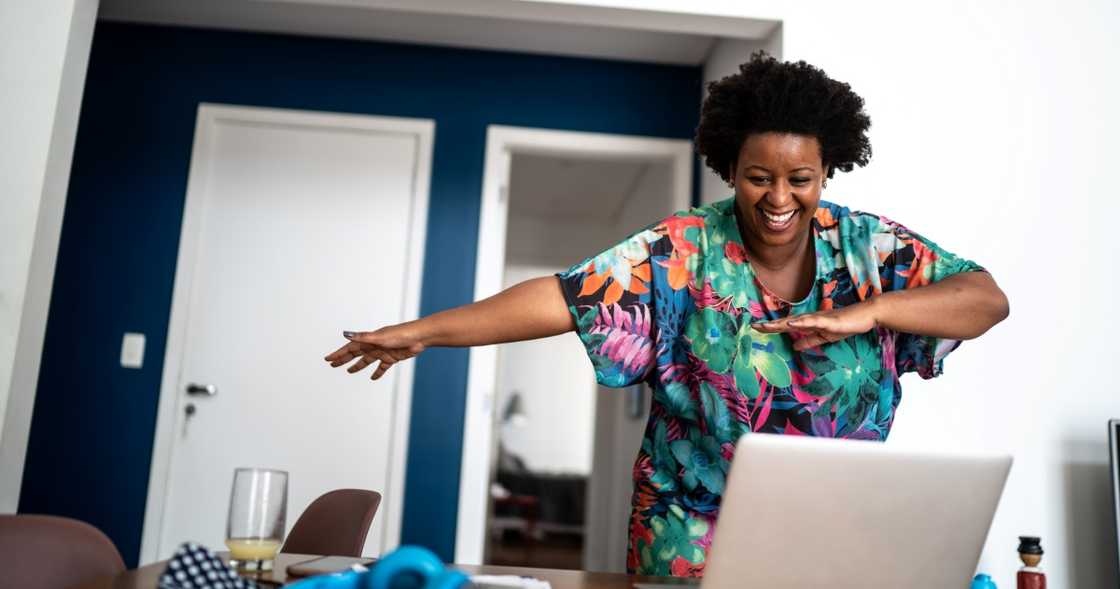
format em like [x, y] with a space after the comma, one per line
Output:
[132, 350]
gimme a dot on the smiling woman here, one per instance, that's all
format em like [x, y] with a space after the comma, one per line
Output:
[772, 311]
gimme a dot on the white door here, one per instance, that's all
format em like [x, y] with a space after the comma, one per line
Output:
[297, 226]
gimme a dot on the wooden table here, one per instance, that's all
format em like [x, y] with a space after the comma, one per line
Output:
[147, 577]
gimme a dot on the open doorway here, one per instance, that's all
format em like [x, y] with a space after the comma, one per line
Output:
[547, 459]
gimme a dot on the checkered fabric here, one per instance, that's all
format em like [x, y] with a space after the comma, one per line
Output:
[195, 567]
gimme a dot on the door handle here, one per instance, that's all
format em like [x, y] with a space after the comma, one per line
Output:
[207, 390]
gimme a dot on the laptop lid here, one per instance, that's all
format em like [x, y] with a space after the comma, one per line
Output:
[813, 512]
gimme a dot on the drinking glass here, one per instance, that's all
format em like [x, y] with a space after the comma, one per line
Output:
[258, 509]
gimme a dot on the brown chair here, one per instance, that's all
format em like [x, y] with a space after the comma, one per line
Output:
[48, 552]
[335, 524]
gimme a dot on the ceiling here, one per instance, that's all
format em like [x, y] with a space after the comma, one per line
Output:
[566, 188]
[509, 25]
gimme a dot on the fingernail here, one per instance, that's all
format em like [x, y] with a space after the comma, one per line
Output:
[349, 334]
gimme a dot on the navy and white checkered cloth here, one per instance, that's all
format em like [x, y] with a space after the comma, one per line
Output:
[194, 566]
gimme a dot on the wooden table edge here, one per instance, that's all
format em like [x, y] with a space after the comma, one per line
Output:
[147, 576]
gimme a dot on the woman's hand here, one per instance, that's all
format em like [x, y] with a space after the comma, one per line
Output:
[529, 310]
[961, 306]
[813, 329]
[387, 346]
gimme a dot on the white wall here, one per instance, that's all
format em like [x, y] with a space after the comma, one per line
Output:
[994, 128]
[44, 49]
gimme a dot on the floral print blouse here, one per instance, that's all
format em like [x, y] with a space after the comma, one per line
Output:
[672, 306]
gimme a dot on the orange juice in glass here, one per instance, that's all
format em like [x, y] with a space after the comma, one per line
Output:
[258, 508]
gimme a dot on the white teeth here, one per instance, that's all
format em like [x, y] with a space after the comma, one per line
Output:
[779, 218]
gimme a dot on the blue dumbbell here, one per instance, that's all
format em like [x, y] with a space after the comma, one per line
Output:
[413, 567]
[408, 567]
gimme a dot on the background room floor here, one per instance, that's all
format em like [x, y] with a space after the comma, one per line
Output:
[551, 550]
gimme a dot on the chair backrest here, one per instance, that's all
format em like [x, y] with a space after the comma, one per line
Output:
[48, 552]
[336, 524]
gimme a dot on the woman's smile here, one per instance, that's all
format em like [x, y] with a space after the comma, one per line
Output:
[777, 222]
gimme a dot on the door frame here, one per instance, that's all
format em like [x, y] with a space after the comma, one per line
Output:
[482, 377]
[208, 118]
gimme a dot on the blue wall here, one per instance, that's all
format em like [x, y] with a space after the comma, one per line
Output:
[94, 422]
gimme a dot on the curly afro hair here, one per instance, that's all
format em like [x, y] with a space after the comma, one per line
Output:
[785, 97]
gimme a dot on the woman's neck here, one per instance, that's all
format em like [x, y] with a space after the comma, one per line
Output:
[781, 258]
[787, 270]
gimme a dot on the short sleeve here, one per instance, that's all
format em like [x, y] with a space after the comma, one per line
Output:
[911, 261]
[609, 296]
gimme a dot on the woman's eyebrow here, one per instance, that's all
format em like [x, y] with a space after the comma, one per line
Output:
[767, 170]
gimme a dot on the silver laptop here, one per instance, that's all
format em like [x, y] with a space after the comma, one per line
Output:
[812, 512]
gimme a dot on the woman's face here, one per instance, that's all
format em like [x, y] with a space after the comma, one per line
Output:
[778, 181]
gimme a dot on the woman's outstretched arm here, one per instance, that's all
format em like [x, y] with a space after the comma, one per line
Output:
[529, 310]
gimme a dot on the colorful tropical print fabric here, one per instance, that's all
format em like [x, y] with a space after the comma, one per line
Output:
[672, 306]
